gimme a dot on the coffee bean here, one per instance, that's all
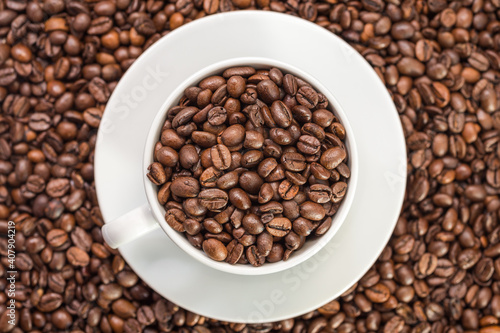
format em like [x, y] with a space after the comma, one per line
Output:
[320, 172]
[175, 219]
[276, 76]
[308, 144]
[227, 181]
[251, 182]
[236, 86]
[378, 293]
[338, 191]
[295, 178]
[266, 193]
[252, 224]
[303, 226]
[268, 91]
[99, 90]
[210, 177]
[251, 158]
[276, 254]
[281, 114]
[320, 193]
[217, 116]
[193, 207]
[212, 226]
[123, 308]
[255, 114]
[61, 319]
[244, 71]
[4, 52]
[21, 53]
[323, 227]
[313, 130]
[157, 174]
[402, 30]
[243, 237]
[484, 270]
[312, 211]
[301, 114]
[235, 253]
[331, 158]
[264, 244]
[213, 199]
[253, 140]
[427, 264]
[221, 157]
[35, 244]
[191, 226]
[323, 118]
[81, 239]
[184, 116]
[220, 95]
[254, 257]
[188, 156]
[92, 116]
[185, 187]
[239, 199]
[7, 76]
[215, 249]
[56, 237]
[49, 302]
[290, 84]
[57, 187]
[77, 257]
[475, 193]
[287, 190]
[307, 97]
[279, 227]
[267, 166]
[213, 82]
[468, 258]
[100, 25]
[293, 161]
[233, 135]
[39, 122]
[411, 67]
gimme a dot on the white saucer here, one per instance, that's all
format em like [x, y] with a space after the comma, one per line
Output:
[375, 123]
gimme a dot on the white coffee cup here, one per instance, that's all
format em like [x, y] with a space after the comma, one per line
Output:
[144, 219]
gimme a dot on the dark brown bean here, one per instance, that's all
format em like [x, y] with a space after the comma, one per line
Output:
[213, 199]
[279, 227]
[221, 157]
[268, 91]
[185, 187]
[175, 219]
[331, 158]
[293, 161]
[307, 97]
[215, 249]
[320, 193]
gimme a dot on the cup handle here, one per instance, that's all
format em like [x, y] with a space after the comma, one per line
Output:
[130, 226]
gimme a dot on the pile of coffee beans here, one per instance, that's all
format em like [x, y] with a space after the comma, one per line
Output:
[249, 164]
[440, 272]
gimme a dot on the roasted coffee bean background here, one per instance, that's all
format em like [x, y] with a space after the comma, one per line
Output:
[440, 272]
[241, 130]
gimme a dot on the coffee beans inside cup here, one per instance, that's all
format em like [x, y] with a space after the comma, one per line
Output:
[250, 164]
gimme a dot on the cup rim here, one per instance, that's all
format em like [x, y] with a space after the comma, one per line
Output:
[179, 239]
